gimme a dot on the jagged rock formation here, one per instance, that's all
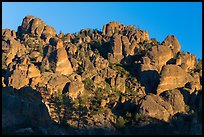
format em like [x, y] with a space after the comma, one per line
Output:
[173, 77]
[63, 66]
[113, 81]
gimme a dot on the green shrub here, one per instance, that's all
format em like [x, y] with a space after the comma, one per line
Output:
[88, 84]
[138, 116]
[120, 122]
[53, 66]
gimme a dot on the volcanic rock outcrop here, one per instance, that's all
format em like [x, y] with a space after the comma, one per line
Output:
[97, 82]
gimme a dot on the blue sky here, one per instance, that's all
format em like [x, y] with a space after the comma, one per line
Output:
[182, 19]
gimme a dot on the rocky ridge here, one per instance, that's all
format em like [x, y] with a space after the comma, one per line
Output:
[111, 80]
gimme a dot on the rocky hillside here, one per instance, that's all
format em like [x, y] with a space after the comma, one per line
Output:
[118, 81]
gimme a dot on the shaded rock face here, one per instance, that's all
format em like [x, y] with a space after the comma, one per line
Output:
[154, 106]
[128, 49]
[176, 99]
[63, 65]
[148, 75]
[172, 77]
[172, 42]
[162, 107]
[23, 107]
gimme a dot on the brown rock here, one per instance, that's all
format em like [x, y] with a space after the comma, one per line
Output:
[155, 107]
[19, 77]
[126, 45]
[63, 65]
[57, 83]
[11, 47]
[37, 27]
[111, 27]
[72, 49]
[26, 24]
[120, 84]
[188, 60]
[101, 63]
[89, 73]
[146, 60]
[172, 42]
[99, 82]
[75, 89]
[34, 54]
[3, 84]
[35, 81]
[141, 35]
[159, 56]
[48, 30]
[117, 48]
[176, 99]
[172, 77]
[111, 73]
[8, 33]
[103, 103]
[33, 71]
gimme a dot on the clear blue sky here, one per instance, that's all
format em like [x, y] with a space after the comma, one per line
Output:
[184, 20]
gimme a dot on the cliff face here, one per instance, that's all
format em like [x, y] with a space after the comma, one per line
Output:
[111, 80]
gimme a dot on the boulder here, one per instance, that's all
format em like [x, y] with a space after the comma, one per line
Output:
[120, 84]
[3, 84]
[35, 81]
[57, 83]
[37, 27]
[18, 78]
[26, 24]
[75, 89]
[159, 56]
[48, 30]
[176, 99]
[187, 59]
[172, 42]
[117, 48]
[128, 49]
[8, 33]
[33, 71]
[111, 28]
[172, 77]
[154, 106]
[11, 47]
[63, 65]
[56, 42]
